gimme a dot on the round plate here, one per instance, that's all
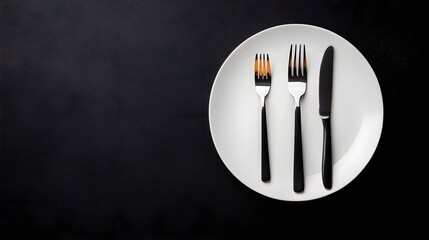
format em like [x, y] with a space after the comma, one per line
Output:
[235, 120]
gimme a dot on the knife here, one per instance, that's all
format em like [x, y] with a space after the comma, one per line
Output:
[325, 98]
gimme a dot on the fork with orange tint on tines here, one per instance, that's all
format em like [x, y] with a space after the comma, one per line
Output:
[263, 85]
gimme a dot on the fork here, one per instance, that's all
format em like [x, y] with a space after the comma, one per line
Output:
[297, 85]
[263, 84]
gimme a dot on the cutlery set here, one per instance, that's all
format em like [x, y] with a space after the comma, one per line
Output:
[297, 84]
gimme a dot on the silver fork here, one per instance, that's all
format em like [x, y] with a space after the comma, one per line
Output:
[263, 84]
[297, 86]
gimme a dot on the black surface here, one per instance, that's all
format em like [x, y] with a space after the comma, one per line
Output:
[104, 120]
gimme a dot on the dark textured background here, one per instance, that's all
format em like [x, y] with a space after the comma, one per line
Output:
[104, 120]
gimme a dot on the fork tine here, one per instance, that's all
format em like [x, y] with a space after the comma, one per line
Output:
[268, 66]
[304, 63]
[299, 72]
[260, 66]
[294, 63]
[256, 66]
[290, 62]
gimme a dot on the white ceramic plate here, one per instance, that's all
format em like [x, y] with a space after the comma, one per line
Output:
[234, 113]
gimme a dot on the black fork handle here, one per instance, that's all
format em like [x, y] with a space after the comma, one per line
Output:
[327, 154]
[298, 164]
[265, 160]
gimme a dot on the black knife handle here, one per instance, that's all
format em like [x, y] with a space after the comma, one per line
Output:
[327, 154]
[265, 164]
[298, 168]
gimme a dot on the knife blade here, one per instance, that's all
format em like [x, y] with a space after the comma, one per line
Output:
[325, 99]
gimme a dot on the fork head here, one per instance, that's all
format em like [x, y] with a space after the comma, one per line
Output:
[297, 73]
[262, 70]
